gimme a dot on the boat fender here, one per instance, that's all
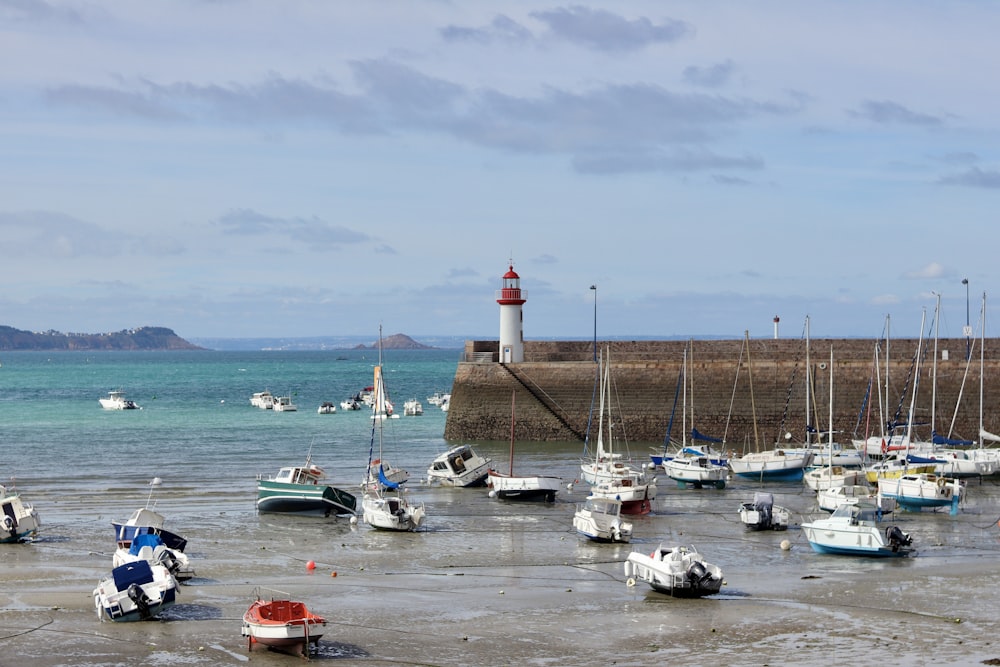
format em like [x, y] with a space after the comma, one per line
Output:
[941, 481]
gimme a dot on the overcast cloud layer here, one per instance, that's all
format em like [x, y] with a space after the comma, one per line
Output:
[248, 168]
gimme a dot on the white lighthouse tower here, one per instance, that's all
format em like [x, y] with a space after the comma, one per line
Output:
[511, 297]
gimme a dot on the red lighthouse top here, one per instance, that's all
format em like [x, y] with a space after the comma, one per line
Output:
[511, 294]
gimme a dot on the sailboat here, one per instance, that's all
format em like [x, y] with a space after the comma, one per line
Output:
[916, 490]
[383, 506]
[774, 464]
[521, 487]
[693, 466]
[612, 478]
[829, 475]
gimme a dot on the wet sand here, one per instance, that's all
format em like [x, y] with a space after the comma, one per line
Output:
[499, 583]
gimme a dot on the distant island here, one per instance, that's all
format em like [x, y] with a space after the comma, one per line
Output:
[396, 342]
[142, 338]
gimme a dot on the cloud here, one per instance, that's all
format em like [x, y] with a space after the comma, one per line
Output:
[722, 179]
[37, 11]
[500, 29]
[603, 129]
[885, 300]
[710, 77]
[975, 178]
[56, 235]
[602, 30]
[545, 259]
[930, 271]
[313, 231]
[891, 113]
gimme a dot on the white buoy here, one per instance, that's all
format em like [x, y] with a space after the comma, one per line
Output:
[354, 520]
[569, 487]
[492, 494]
[786, 545]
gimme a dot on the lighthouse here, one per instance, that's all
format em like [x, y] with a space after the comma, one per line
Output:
[511, 298]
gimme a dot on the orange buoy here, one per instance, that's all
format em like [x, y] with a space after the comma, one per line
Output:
[333, 574]
[311, 565]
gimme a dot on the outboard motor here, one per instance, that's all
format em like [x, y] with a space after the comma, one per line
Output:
[897, 538]
[697, 573]
[138, 596]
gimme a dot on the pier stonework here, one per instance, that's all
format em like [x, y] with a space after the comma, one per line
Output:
[749, 392]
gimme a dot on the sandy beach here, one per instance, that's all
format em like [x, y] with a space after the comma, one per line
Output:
[499, 583]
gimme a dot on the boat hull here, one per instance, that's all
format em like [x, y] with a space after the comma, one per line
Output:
[391, 513]
[289, 498]
[282, 624]
[679, 572]
[526, 487]
[135, 591]
[460, 467]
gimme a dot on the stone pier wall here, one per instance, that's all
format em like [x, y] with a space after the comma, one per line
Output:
[751, 393]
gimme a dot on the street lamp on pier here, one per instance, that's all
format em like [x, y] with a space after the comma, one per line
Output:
[594, 287]
[968, 327]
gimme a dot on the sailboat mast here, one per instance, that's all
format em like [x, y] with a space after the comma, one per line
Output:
[808, 384]
[916, 382]
[513, 393]
[937, 328]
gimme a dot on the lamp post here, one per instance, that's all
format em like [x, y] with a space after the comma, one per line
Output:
[968, 328]
[594, 287]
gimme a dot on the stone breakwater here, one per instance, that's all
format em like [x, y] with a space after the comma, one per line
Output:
[751, 393]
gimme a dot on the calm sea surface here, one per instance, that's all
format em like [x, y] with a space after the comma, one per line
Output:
[528, 586]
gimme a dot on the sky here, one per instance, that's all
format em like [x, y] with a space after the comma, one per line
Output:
[247, 168]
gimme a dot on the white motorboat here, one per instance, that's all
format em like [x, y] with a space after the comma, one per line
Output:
[436, 399]
[677, 571]
[827, 476]
[351, 404]
[136, 591]
[915, 491]
[326, 408]
[116, 401]
[698, 471]
[263, 400]
[833, 497]
[853, 530]
[412, 408]
[18, 520]
[599, 519]
[763, 514]
[284, 404]
[459, 466]
[150, 547]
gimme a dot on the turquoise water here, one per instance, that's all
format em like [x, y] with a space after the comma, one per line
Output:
[196, 414]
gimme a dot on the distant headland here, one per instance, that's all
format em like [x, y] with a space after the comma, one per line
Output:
[396, 342]
[141, 338]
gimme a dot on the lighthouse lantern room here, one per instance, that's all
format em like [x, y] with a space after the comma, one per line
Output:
[511, 297]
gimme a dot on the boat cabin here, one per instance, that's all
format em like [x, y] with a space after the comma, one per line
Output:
[299, 475]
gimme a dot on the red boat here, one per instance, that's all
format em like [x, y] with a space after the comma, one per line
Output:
[285, 625]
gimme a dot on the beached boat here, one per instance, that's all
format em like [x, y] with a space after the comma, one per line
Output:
[263, 400]
[678, 571]
[282, 624]
[915, 491]
[116, 400]
[828, 476]
[599, 519]
[833, 497]
[18, 520]
[521, 487]
[326, 408]
[763, 514]
[608, 475]
[297, 489]
[894, 466]
[146, 521]
[459, 466]
[383, 504]
[136, 591]
[150, 547]
[698, 471]
[853, 530]
[772, 465]
[412, 408]
[383, 470]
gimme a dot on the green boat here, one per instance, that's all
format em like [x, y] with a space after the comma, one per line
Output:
[297, 489]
